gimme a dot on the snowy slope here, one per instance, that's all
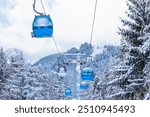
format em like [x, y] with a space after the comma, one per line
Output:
[97, 50]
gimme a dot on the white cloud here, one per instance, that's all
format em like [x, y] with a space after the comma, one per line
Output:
[72, 24]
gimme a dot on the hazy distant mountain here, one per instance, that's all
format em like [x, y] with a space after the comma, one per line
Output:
[13, 52]
[47, 62]
[101, 58]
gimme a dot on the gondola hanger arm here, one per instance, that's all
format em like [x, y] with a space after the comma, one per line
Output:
[34, 9]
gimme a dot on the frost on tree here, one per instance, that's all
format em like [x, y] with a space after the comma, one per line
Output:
[14, 82]
[21, 81]
[4, 74]
[36, 85]
[86, 49]
[129, 74]
[101, 64]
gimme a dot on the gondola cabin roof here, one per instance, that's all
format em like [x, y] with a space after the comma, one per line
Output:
[42, 26]
[87, 68]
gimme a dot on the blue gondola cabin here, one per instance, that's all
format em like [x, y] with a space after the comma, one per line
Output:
[84, 85]
[87, 74]
[67, 92]
[42, 26]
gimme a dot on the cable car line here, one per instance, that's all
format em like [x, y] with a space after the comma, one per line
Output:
[87, 74]
[43, 7]
[59, 53]
[56, 46]
[43, 27]
[42, 16]
[93, 23]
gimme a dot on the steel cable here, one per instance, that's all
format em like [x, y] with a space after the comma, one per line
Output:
[93, 23]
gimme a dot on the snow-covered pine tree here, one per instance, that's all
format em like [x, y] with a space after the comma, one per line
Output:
[44, 84]
[147, 80]
[102, 60]
[145, 48]
[4, 73]
[101, 64]
[17, 75]
[130, 76]
[58, 86]
[36, 85]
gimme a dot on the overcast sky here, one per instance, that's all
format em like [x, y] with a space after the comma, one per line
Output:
[72, 24]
